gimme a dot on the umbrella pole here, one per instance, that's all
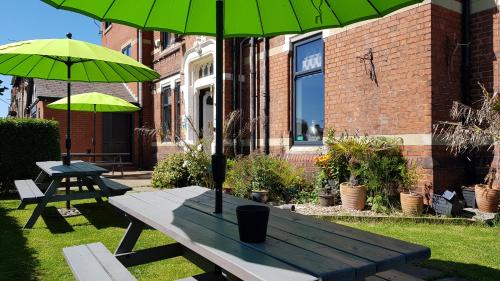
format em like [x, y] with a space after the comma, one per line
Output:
[67, 159]
[93, 138]
[218, 159]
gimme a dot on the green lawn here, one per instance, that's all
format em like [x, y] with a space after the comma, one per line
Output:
[472, 252]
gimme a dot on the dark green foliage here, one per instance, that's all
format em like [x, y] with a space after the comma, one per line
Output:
[22, 143]
[183, 169]
[284, 182]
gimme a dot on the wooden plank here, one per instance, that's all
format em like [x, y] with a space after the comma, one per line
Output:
[367, 259]
[116, 186]
[328, 267]
[242, 261]
[385, 259]
[76, 169]
[28, 190]
[412, 252]
[113, 267]
[209, 276]
[74, 196]
[150, 255]
[394, 275]
[84, 265]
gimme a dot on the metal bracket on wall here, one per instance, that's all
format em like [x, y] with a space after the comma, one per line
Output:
[367, 60]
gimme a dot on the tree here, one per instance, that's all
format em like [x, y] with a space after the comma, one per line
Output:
[2, 89]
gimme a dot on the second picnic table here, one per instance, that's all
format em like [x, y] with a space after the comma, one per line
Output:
[297, 247]
[85, 173]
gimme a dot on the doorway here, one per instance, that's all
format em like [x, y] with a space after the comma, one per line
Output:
[206, 114]
[117, 134]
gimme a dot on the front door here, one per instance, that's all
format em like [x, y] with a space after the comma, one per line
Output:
[206, 114]
[117, 133]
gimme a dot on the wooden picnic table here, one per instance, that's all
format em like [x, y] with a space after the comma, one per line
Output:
[85, 173]
[297, 247]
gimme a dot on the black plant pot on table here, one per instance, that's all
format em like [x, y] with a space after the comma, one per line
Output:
[252, 223]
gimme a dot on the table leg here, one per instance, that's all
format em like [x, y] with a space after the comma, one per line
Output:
[104, 188]
[133, 232]
[40, 178]
[41, 205]
[90, 186]
[68, 191]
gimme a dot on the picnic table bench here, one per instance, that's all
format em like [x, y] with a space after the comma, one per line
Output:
[297, 247]
[37, 192]
[115, 161]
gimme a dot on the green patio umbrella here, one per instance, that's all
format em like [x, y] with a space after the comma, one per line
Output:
[231, 18]
[94, 102]
[70, 60]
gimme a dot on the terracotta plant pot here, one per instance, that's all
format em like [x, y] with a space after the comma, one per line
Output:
[486, 199]
[411, 203]
[352, 197]
[260, 196]
[326, 200]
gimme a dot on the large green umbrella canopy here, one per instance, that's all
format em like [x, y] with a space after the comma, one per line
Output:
[70, 60]
[231, 18]
[94, 102]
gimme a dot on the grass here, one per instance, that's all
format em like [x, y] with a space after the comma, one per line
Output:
[36, 254]
[469, 251]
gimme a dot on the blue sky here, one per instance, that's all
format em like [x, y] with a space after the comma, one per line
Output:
[32, 19]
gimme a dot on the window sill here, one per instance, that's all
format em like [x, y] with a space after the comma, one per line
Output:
[307, 148]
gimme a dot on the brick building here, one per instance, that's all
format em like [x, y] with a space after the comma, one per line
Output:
[395, 76]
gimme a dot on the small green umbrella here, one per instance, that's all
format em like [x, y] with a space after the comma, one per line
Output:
[70, 60]
[231, 18]
[94, 102]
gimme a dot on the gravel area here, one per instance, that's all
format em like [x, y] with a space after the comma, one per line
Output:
[337, 210]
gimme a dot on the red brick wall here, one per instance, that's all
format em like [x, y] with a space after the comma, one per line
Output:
[81, 128]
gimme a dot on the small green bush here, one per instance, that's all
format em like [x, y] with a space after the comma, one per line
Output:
[283, 181]
[23, 142]
[183, 169]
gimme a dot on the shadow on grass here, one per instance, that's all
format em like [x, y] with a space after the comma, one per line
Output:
[471, 272]
[54, 221]
[17, 261]
[102, 215]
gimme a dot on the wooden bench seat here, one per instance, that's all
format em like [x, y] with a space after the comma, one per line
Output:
[28, 191]
[205, 277]
[94, 262]
[115, 187]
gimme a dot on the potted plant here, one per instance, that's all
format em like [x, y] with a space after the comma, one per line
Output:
[326, 197]
[486, 195]
[412, 203]
[260, 195]
[353, 195]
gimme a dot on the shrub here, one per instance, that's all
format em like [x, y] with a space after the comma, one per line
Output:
[23, 142]
[170, 172]
[191, 167]
[263, 172]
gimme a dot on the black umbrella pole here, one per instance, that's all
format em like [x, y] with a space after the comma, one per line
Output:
[218, 159]
[67, 160]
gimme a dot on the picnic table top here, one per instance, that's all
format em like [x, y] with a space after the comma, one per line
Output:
[76, 169]
[297, 247]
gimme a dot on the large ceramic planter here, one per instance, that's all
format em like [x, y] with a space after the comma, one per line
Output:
[411, 203]
[352, 197]
[486, 199]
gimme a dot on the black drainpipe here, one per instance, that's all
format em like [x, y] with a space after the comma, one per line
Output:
[266, 96]
[235, 93]
[466, 51]
[253, 93]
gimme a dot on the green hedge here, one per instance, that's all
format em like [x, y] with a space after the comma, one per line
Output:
[22, 143]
